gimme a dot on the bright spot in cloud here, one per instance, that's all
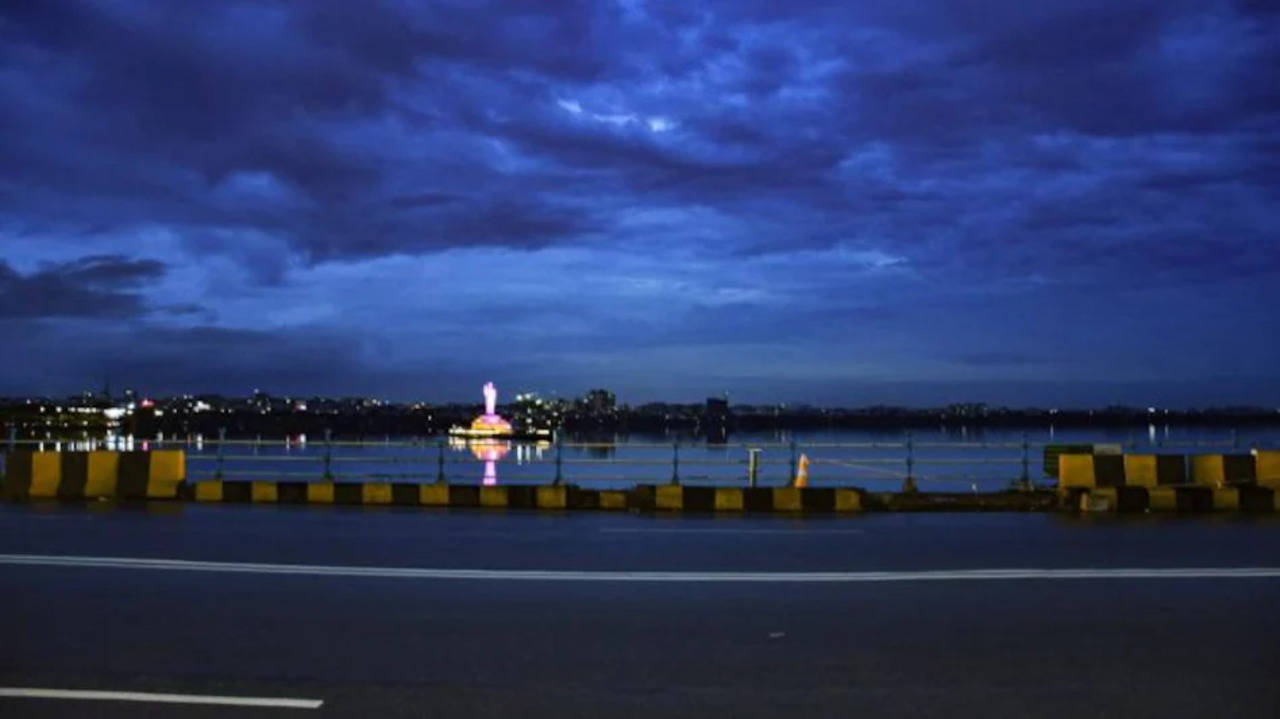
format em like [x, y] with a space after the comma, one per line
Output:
[617, 119]
[659, 124]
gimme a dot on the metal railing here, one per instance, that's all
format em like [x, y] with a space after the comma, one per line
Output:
[932, 464]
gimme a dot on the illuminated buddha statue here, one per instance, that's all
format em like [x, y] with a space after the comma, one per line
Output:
[490, 422]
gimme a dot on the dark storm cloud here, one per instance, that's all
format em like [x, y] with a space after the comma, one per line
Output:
[100, 286]
[127, 114]
[162, 361]
[512, 222]
[988, 152]
[170, 110]
[173, 360]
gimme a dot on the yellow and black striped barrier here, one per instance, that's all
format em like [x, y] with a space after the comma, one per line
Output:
[1220, 470]
[683, 498]
[1170, 482]
[644, 498]
[1090, 470]
[513, 496]
[1154, 470]
[1100, 471]
[1107, 482]
[156, 474]
[1184, 499]
[1267, 468]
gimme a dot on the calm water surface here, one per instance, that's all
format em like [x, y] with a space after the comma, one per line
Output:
[951, 459]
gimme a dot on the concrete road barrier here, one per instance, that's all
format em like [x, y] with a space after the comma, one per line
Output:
[1267, 467]
[675, 498]
[509, 496]
[1092, 482]
[1184, 499]
[1170, 482]
[156, 474]
[1080, 471]
[1220, 470]
[1154, 470]
[684, 498]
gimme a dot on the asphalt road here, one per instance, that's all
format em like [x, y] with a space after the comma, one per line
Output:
[507, 646]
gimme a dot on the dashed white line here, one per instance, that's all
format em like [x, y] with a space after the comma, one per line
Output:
[554, 575]
[93, 695]
[724, 530]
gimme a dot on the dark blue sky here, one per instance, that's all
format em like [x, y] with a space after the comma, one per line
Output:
[1034, 203]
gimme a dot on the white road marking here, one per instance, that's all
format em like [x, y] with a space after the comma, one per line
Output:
[557, 575]
[280, 703]
[724, 530]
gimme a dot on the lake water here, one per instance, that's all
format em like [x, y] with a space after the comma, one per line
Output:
[953, 459]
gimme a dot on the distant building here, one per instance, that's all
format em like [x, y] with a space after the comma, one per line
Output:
[530, 412]
[968, 409]
[716, 419]
[599, 401]
[717, 409]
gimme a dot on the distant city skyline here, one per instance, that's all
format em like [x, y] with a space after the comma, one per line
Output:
[1029, 204]
[124, 394]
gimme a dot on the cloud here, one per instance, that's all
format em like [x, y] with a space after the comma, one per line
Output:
[105, 286]
[307, 122]
[645, 175]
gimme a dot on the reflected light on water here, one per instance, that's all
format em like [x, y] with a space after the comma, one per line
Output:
[489, 451]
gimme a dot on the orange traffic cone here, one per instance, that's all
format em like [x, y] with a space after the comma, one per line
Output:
[802, 472]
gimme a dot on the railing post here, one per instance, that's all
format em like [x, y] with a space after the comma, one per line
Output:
[1235, 439]
[222, 436]
[911, 459]
[440, 462]
[328, 455]
[1026, 471]
[909, 484]
[794, 458]
[753, 466]
[559, 460]
[675, 462]
[13, 438]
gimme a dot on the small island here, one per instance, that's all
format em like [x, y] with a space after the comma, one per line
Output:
[492, 424]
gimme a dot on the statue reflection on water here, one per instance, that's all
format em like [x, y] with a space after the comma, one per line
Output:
[490, 451]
